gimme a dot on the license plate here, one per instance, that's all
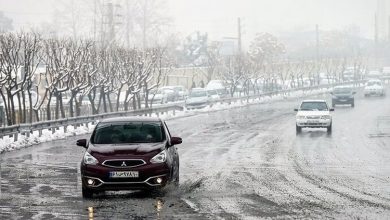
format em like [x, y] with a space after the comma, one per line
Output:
[312, 121]
[124, 174]
[343, 100]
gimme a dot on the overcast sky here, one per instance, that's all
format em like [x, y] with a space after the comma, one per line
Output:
[219, 17]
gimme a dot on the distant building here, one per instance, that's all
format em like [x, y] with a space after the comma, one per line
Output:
[382, 20]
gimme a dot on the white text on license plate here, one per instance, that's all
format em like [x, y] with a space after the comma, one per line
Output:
[124, 174]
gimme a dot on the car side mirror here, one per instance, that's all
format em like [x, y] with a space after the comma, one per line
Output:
[295, 109]
[82, 143]
[353, 93]
[176, 140]
[332, 109]
[331, 93]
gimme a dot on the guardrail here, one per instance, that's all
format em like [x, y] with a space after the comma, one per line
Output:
[53, 125]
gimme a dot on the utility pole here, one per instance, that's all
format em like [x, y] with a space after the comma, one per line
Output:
[110, 22]
[127, 24]
[317, 43]
[94, 21]
[318, 52]
[239, 36]
[144, 25]
[376, 41]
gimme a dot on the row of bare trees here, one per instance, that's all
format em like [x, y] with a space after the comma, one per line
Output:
[45, 75]
[265, 68]
[45, 79]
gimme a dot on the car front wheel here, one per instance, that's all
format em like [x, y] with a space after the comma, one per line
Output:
[329, 129]
[298, 129]
[87, 193]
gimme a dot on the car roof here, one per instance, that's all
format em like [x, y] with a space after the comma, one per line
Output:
[318, 100]
[198, 89]
[132, 119]
[374, 80]
[343, 87]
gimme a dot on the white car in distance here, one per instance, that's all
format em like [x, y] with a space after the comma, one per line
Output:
[313, 114]
[198, 98]
[213, 95]
[374, 87]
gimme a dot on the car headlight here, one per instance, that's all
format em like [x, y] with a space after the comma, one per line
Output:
[159, 158]
[325, 117]
[89, 159]
[301, 117]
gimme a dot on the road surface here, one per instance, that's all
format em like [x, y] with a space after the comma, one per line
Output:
[242, 163]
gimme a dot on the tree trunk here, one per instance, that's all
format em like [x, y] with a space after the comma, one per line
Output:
[103, 98]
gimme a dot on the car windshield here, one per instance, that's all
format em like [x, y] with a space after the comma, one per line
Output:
[372, 83]
[314, 106]
[212, 92]
[128, 132]
[198, 94]
[342, 91]
[179, 89]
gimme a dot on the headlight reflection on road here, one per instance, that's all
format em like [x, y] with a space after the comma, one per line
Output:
[90, 213]
[159, 206]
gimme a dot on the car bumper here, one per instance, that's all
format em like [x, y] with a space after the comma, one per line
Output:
[147, 179]
[317, 123]
[373, 92]
[343, 100]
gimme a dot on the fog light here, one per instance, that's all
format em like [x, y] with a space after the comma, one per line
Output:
[159, 180]
[90, 181]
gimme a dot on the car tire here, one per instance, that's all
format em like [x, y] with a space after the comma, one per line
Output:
[177, 177]
[329, 129]
[87, 193]
[298, 129]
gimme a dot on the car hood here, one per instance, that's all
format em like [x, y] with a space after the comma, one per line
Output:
[313, 113]
[125, 149]
[197, 99]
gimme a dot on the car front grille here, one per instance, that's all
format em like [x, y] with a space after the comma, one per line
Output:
[124, 163]
[314, 124]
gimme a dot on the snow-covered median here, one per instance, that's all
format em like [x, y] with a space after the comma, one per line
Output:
[8, 144]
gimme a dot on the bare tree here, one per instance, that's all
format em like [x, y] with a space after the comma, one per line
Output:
[10, 46]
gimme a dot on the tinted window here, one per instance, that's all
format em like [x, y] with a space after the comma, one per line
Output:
[373, 83]
[342, 90]
[128, 132]
[198, 94]
[212, 92]
[314, 106]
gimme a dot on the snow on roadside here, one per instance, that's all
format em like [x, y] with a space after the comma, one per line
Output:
[8, 144]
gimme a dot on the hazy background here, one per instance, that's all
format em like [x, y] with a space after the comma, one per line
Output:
[219, 17]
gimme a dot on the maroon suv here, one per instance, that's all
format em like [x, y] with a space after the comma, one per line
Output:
[129, 153]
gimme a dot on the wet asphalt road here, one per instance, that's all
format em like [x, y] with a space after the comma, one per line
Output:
[243, 163]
